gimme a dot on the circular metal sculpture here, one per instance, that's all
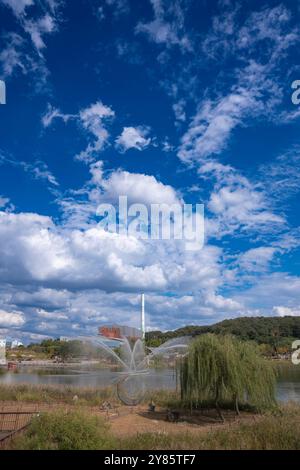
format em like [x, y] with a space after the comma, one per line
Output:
[131, 389]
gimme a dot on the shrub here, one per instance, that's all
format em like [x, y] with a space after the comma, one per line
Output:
[65, 430]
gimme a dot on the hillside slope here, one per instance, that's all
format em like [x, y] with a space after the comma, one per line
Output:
[277, 332]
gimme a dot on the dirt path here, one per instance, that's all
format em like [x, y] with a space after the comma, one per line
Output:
[140, 421]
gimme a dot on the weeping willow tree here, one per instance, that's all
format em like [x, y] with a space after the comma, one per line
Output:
[224, 369]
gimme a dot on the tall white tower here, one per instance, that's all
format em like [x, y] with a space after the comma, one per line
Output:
[2, 92]
[143, 316]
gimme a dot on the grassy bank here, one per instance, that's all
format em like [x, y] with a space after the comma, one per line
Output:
[90, 396]
[54, 394]
[82, 430]
[87, 396]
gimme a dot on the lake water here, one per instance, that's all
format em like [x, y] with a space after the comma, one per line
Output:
[157, 378]
[288, 383]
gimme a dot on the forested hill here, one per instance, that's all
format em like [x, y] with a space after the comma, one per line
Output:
[273, 331]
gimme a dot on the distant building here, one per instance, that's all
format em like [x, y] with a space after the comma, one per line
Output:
[110, 332]
[119, 331]
[12, 343]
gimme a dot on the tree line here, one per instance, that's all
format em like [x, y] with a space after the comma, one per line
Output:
[274, 334]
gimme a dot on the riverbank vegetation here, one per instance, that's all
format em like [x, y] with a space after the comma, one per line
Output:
[85, 396]
[78, 429]
[51, 394]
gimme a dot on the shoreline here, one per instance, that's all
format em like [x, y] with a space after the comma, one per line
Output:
[49, 363]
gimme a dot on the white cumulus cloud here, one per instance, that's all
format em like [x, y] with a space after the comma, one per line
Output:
[8, 319]
[133, 138]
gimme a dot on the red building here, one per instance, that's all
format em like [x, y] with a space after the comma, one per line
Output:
[110, 331]
[119, 331]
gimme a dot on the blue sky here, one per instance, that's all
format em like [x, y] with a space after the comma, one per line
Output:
[162, 101]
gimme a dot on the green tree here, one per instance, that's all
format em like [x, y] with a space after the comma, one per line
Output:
[222, 369]
[70, 349]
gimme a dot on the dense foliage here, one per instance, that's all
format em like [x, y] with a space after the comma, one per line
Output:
[275, 333]
[225, 369]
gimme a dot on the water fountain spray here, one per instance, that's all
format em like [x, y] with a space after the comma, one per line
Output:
[133, 361]
[143, 317]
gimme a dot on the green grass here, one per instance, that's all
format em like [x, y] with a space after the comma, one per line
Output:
[65, 430]
[87, 396]
[90, 396]
[55, 394]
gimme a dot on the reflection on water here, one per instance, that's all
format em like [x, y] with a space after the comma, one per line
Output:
[288, 383]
